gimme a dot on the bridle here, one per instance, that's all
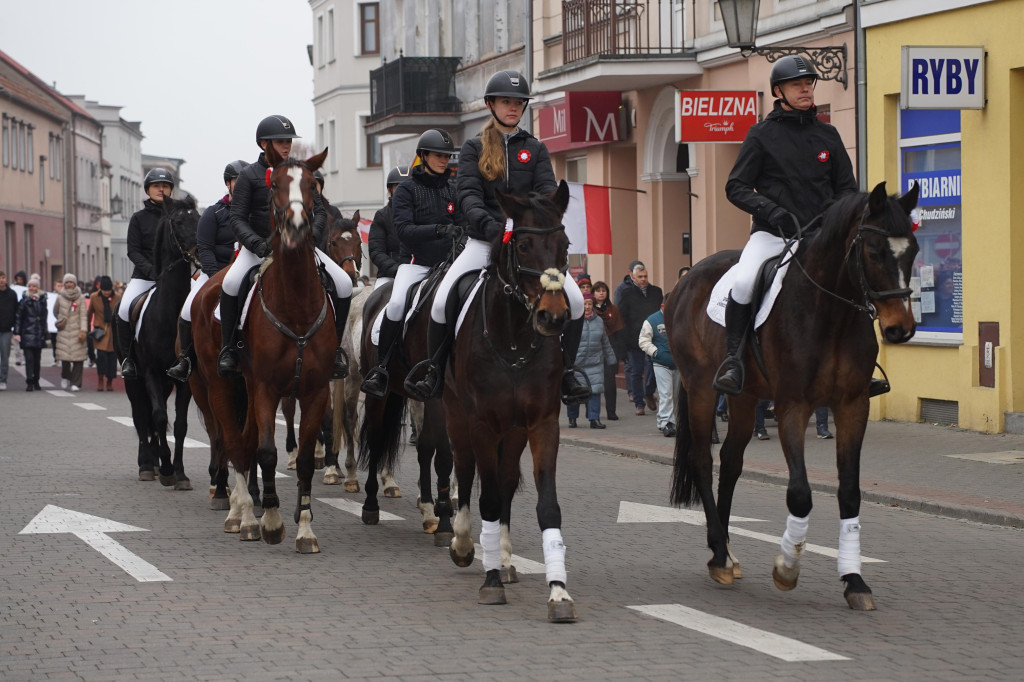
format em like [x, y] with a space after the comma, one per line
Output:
[187, 255]
[514, 270]
[281, 212]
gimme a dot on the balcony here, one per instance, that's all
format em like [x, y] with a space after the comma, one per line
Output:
[620, 45]
[411, 94]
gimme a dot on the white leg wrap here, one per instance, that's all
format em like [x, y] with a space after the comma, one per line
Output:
[554, 555]
[849, 546]
[490, 543]
[793, 540]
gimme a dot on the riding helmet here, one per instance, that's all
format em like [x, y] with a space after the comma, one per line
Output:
[275, 128]
[158, 175]
[508, 83]
[397, 174]
[435, 140]
[790, 68]
[232, 170]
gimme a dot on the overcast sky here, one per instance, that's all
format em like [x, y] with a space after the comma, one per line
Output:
[198, 74]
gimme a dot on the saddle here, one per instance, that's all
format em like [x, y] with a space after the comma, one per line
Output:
[252, 275]
[767, 286]
[136, 309]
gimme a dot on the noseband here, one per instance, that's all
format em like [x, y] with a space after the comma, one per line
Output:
[515, 270]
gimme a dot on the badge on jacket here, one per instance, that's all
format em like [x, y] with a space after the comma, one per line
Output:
[523, 156]
[823, 156]
[451, 207]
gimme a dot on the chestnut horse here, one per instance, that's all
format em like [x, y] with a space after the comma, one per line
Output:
[502, 391]
[817, 347]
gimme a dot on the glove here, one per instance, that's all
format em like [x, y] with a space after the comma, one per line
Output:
[261, 248]
[453, 232]
[783, 220]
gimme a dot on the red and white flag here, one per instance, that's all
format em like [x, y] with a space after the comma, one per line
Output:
[587, 221]
[364, 229]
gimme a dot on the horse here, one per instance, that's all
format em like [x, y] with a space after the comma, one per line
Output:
[817, 347]
[502, 390]
[174, 257]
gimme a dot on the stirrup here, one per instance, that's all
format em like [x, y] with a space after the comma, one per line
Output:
[376, 382]
[577, 393]
[726, 384]
[181, 371]
[878, 387]
[340, 364]
[128, 370]
[427, 387]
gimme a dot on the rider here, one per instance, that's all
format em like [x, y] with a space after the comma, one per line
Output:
[503, 157]
[790, 167]
[250, 219]
[385, 249]
[427, 221]
[216, 245]
[159, 183]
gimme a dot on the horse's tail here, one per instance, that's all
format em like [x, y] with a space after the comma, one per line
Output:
[383, 438]
[684, 492]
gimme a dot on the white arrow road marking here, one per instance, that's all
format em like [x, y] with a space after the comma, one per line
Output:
[93, 531]
[780, 647]
[90, 406]
[355, 508]
[189, 442]
[631, 512]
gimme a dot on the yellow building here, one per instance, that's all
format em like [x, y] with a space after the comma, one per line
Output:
[970, 276]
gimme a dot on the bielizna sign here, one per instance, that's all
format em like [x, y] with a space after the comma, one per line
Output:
[714, 115]
[943, 78]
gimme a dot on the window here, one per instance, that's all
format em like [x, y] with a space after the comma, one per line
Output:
[373, 153]
[320, 40]
[330, 35]
[6, 142]
[14, 144]
[42, 181]
[22, 146]
[28, 245]
[58, 158]
[31, 152]
[332, 157]
[53, 157]
[369, 28]
[9, 246]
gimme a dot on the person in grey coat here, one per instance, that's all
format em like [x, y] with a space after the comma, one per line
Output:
[595, 352]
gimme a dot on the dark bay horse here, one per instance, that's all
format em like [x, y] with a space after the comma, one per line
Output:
[502, 391]
[174, 259]
[819, 347]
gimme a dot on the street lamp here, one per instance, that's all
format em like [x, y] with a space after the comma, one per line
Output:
[740, 19]
[116, 205]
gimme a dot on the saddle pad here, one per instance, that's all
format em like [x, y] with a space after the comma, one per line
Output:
[142, 313]
[720, 294]
[375, 334]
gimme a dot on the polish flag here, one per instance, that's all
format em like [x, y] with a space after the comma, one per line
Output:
[587, 221]
[364, 229]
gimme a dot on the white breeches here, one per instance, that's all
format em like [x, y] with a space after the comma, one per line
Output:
[134, 288]
[760, 247]
[407, 276]
[246, 259]
[197, 284]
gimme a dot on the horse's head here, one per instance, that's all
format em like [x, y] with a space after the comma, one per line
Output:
[882, 250]
[176, 233]
[533, 258]
[344, 246]
[292, 190]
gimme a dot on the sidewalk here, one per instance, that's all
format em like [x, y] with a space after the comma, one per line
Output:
[935, 469]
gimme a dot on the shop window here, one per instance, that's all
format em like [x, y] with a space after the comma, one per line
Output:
[930, 155]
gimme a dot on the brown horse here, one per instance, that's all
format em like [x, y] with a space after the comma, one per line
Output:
[502, 391]
[817, 347]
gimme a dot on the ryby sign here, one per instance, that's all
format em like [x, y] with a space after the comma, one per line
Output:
[943, 78]
[714, 115]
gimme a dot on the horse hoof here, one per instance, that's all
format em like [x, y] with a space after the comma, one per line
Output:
[220, 504]
[392, 492]
[250, 533]
[737, 572]
[331, 478]
[430, 526]
[307, 546]
[783, 576]
[183, 484]
[273, 536]
[371, 518]
[562, 611]
[461, 561]
[232, 525]
[509, 575]
[860, 601]
[443, 539]
[146, 475]
[722, 575]
[351, 486]
[493, 596]
[167, 481]
[293, 457]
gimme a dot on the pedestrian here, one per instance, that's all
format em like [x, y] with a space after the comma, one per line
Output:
[429, 225]
[215, 244]
[626, 282]
[20, 287]
[613, 327]
[30, 331]
[51, 318]
[385, 249]
[653, 341]
[790, 168]
[250, 220]
[639, 301]
[158, 184]
[8, 315]
[72, 328]
[594, 355]
[102, 305]
[502, 158]
[89, 341]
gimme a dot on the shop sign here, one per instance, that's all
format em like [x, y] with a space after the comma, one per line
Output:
[714, 115]
[943, 78]
[582, 119]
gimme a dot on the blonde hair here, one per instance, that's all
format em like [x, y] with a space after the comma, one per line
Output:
[492, 152]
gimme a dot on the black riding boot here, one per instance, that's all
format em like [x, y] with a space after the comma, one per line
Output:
[182, 370]
[341, 306]
[376, 382]
[227, 361]
[572, 390]
[125, 336]
[438, 345]
[737, 320]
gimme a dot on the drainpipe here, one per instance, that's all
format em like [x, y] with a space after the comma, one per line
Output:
[860, 78]
[528, 62]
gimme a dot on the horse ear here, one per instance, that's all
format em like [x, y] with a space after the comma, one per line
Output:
[273, 158]
[355, 217]
[561, 196]
[878, 199]
[315, 162]
[909, 200]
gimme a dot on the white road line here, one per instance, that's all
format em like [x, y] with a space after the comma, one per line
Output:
[189, 442]
[355, 508]
[90, 406]
[59, 393]
[816, 549]
[521, 564]
[777, 646]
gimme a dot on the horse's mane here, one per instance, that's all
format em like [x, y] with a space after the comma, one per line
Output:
[836, 222]
[163, 244]
[546, 214]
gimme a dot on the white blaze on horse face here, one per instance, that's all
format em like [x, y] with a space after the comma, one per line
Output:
[898, 246]
[347, 235]
[295, 194]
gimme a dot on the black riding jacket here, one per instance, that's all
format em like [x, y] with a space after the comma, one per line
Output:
[420, 203]
[141, 239]
[215, 238]
[385, 249]
[250, 208]
[792, 160]
[527, 169]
